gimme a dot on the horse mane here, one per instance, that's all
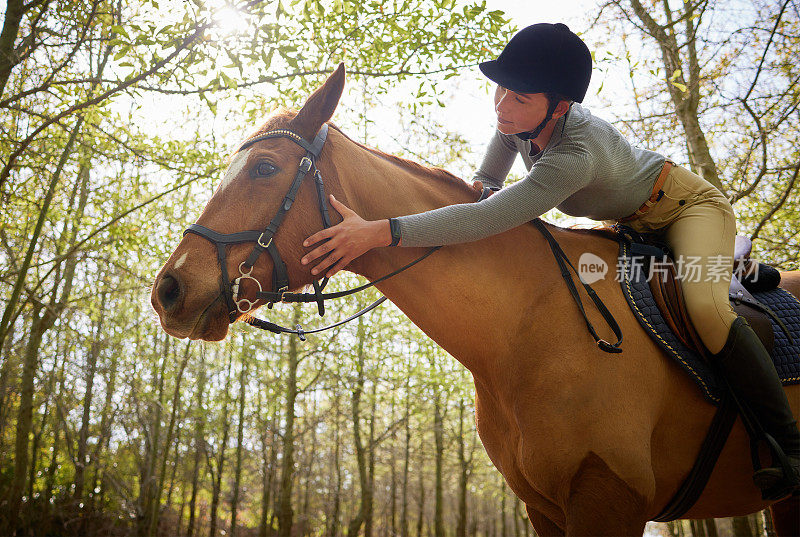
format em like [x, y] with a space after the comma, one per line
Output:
[439, 174]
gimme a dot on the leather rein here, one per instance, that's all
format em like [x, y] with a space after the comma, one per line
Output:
[240, 306]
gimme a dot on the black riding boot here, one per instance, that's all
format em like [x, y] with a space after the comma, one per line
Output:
[751, 374]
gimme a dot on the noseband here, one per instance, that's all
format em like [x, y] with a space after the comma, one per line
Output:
[263, 241]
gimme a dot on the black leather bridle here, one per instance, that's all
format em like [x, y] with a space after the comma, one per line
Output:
[280, 279]
[263, 241]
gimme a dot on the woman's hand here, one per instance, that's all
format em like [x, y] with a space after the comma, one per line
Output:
[347, 240]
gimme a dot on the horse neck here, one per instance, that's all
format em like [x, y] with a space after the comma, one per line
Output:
[376, 185]
[460, 296]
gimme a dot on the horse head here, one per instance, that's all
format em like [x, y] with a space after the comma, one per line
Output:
[188, 293]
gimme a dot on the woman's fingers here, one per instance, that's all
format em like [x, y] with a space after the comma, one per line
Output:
[343, 262]
[343, 209]
[317, 252]
[326, 263]
[320, 236]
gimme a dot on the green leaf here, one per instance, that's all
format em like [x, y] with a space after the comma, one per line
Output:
[117, 29]
[679, 86]
[229, 82]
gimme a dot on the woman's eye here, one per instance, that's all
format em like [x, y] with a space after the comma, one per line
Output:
[265, 169]
[519, 100]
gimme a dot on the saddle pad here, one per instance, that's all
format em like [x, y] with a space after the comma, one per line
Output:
[637, 292]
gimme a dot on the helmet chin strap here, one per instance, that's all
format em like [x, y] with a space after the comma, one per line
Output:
[531, 135]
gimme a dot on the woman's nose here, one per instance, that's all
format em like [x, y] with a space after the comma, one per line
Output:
[500, 104]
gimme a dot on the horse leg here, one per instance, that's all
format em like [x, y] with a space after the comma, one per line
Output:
[602, 503]
[543, 526]
[786, 516]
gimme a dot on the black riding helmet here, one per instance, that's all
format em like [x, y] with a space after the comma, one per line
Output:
[543, 58]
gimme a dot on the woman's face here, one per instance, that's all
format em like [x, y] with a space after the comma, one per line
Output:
[518, 112]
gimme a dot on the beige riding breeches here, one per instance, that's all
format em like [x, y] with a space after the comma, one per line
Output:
[698, 223]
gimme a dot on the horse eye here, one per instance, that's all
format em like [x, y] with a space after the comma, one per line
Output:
[265, 169]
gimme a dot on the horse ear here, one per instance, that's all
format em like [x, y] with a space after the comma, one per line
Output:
[320, 106]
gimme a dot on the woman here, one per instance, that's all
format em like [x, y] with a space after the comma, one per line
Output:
[584, 167]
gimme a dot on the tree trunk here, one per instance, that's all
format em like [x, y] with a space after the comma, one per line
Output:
[370, 507]
[15, 10]
[711, 527]
[162, 472]
[25, 418]
[438, 435]
[269, 464]
[199, 444]
[83, 436]
[406, 457]
[463, 477]
[421, 501]
[361, 457]
[741, 526]
[149, 482]
[333, 528]
[239, 442]
[216, 483]
[285, 512]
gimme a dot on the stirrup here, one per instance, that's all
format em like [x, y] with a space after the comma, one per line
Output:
[778, 481]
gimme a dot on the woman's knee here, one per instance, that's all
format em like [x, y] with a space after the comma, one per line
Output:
[712, 318]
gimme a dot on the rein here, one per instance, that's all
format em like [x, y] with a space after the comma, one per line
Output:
[240, 306]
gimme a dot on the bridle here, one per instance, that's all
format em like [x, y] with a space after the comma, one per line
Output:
[238, 305]
[280, 279]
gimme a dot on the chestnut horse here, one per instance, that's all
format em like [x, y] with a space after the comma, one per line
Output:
[593, 443]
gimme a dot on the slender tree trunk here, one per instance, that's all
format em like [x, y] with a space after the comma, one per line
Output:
[438, 435]
[268, 465]
[309, 469]
[333, 528]
[370, 507]
[463, 477]
[25, 418]
[404, 514]
[711, 527]
[149, 479]
[13, 301]
[361, 457]
[393, 477]
[239, 442]
[216, 487]
[162, 471]
[199, 445]
[285, 511]
[741, 526]
[421, 501]
[83, 436]
[503, 525]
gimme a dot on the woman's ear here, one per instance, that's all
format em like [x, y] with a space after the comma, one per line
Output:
[561, 108]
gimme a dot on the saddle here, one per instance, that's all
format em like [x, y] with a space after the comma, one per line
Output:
[747, 276]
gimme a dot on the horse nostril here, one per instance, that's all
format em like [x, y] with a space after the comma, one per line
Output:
[169, 291]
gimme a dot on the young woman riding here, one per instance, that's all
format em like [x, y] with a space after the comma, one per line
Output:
[583, 166]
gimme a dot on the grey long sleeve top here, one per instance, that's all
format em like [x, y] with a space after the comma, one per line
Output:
[587, 169]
